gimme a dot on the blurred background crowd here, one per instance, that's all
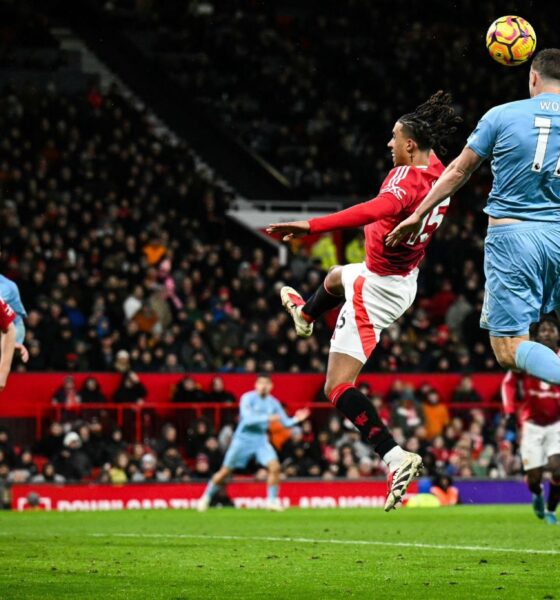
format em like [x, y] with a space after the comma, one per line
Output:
[117, 233]
[453, 441]
[116, 230]
[118, 242]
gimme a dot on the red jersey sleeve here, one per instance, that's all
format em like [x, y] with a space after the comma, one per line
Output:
[509, 392]
[7, 316]
[396, 193]
[402, 184]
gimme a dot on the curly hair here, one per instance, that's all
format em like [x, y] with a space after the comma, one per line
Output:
[431, 122]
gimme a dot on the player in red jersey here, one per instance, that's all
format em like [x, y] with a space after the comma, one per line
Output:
[376, 293]
[7, 341]
[539, 417]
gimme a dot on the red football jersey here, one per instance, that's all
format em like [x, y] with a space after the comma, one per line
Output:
[7, 316]
[540, 401]
[409, 185]
[401, 193]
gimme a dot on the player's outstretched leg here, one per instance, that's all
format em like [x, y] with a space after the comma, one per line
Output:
[554, 491]
[340, 389]
[534, 483]
[272, 487]
[328, 296]
[218, 479]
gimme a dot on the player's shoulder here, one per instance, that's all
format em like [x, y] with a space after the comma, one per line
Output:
[247, 396]
[6, 283]
[398, 180]
[510, 107]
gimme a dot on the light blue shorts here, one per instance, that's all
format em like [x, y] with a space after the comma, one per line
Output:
[522, 268]
[241, 451]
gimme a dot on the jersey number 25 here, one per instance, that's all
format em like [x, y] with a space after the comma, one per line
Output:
[433, 218]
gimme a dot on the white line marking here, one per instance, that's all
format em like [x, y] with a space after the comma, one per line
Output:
[241, 538]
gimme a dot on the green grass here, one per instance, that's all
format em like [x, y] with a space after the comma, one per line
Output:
[85, 555]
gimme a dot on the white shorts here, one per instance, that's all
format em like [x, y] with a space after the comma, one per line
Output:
[538, 443]
[373, 302]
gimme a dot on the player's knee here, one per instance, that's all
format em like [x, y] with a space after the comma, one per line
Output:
[328, 388]
[505, 358]
[274, 467]
[505, 349]
[330, 385]
[333, 280]
[221, 475]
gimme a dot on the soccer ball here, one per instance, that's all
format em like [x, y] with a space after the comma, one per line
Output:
[511, 40]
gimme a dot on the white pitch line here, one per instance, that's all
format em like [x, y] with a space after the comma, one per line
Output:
[240, 538]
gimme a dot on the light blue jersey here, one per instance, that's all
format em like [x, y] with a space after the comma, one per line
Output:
[251, 436]
[521, 260]
[9, 292]
[523, 139]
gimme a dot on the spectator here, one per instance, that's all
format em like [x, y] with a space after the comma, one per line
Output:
[91, 392]
[6, 447]
[168, 439]
[114, 445]
[48, 475]
[67, 394]
[72, 463]
[118, 471]
[444, 490]
[133, 303]
[218, 393]
[407, 415]
[52, 443]
[24, 467]
[172, 461]
[131, 390]
[436, 415]
[465, 392]
[187, 390]
[122, 361]
[196, 438]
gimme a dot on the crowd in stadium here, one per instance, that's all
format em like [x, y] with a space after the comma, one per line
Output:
[130, 258]
[118, 241]
[271, 74]
[452, 442]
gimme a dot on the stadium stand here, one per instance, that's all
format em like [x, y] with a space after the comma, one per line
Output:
[118, 239]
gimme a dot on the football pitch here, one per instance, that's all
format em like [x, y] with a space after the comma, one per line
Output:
[460, 552]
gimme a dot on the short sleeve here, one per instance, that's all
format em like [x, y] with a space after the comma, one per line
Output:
[401, 183]
[7, 316]
[483, 138]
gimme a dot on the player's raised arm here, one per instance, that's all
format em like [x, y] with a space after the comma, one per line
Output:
[299, 416]
[382, 206]
[453, 178]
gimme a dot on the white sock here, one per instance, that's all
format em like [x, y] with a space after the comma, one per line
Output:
[394, 457]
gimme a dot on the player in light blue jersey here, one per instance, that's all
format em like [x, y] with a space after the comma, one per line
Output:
[9, 292]
[257, 410]
[522, 248]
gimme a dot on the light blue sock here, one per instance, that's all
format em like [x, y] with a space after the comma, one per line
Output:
[211, 489]
[539, 361]
[272, 492]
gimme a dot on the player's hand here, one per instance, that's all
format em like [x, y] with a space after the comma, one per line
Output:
[302, 414]
[23, 353]
[3, 381]
[290, 230]
[409, 228]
